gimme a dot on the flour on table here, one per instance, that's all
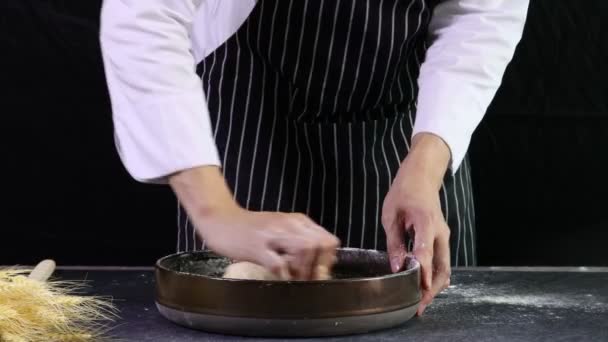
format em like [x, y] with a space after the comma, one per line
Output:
[503, 295]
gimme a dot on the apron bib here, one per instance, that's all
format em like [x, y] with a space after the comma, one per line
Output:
[313, 103]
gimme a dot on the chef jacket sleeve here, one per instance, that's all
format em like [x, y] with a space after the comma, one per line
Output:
[160, 114]
[472, 42]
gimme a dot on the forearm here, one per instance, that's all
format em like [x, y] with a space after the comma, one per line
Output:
[429, 158]
[202, 191]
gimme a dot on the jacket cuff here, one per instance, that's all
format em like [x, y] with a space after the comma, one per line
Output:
[165, 136]
[449, 116]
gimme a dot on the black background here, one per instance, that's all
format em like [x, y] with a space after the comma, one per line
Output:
[539, 157]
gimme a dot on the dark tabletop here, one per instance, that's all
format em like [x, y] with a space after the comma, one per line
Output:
[480, 305]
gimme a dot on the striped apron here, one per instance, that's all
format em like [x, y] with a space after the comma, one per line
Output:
[312, 104]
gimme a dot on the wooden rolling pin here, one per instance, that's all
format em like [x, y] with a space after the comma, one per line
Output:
[43, 271]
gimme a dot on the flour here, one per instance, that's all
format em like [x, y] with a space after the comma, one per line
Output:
[505, 295]
[538, 301]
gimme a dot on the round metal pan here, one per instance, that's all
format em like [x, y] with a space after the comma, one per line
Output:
[364, 296]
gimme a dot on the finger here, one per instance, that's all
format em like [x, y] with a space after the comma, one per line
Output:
[303, 241]
[423, 251]
[272, 261]
[395, 243]
[425, 301]
[322, 270]
[441, 269]
[441, 262]
[326, 251]
[295, 251]
[326, 258]
[305, 259]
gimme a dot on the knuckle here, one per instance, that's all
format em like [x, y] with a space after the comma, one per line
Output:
[279, 216]
[422, 247]
[335, 242]
[326, 240]
[445, 229]
[447, 232]
[444, 271]
[289, 221]
[447, 274]
[331, 242]
[325, 247]
[300, 217]
[387, 220]
[423, 259]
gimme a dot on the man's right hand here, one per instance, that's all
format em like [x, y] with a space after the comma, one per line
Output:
[290, 245]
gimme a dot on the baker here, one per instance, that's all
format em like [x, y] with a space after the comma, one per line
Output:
[283, 124]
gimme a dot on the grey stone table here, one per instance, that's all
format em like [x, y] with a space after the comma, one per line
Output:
[483, 304]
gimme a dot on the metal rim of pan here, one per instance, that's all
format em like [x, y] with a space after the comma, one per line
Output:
[412, 267]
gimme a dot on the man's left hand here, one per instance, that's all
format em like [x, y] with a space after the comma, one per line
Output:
[412, 207]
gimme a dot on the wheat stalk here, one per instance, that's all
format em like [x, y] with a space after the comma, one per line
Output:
[33, 310]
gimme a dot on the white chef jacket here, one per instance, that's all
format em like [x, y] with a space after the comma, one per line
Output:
[161, 119]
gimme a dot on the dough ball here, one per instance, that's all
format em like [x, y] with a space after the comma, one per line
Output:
[248, 270]
[251, 271]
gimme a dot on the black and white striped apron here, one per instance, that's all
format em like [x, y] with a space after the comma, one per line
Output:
[313, 103]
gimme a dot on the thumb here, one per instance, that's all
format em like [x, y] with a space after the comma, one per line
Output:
[395, 243]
